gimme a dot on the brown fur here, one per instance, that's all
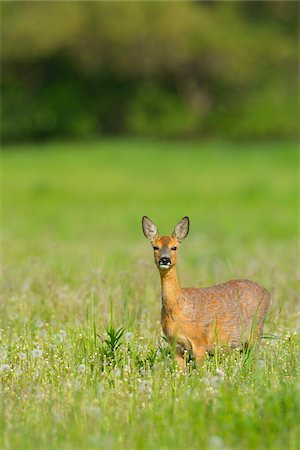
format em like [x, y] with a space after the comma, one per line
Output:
[196, 319]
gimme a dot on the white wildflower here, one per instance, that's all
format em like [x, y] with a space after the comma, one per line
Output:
[3, 354]
[210, 390]
[5, 368]
[18, 371]
[36, 353]
[58, 338]
[118, 373]
[144, 385]
[215, 381]
[81, 368]
[220, 373]
[100, 389]
[261, 364]
[216, 442]
[63, 333]
[128, 336]
[43, 333]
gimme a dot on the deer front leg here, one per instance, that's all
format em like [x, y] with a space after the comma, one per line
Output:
[180, 361]
[199, 354]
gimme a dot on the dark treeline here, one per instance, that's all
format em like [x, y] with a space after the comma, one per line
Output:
[171, 69]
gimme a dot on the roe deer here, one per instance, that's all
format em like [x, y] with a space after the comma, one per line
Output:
[196, 319]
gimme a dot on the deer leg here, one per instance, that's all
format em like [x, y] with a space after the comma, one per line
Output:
[199, 354]
[180, 361]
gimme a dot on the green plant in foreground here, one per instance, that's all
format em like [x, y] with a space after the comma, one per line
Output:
[112, 343]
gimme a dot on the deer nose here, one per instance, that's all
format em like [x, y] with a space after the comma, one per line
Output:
[164, 261]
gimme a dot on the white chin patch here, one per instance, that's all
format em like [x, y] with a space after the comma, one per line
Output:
[164, 266]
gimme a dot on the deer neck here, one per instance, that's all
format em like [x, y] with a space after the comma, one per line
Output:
[170, 289]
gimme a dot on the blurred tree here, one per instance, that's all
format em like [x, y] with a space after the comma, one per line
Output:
[150, 68]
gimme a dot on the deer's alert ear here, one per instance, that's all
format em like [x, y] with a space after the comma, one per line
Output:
[149, 228]
[182, 228]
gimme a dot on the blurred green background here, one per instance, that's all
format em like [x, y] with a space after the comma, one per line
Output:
[164, 69]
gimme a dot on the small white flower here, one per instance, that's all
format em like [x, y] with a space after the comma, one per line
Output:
[43, 333]
[18, 371]
[36, 353]
[39, 323]
[211, 390]
[142, 370]
[220, 373]
[100, 389]
[63, 333]
[4, 368]
[81, 368]
[3, 354]
[22, 355]
[214, 381]
[144, 385]
[216, 442]
[128, 336]
[58, 338]
[261, 364]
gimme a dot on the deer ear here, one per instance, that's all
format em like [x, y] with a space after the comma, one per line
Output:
[149, 228]
[182, 228]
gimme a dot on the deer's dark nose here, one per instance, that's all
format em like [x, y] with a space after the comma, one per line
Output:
[164, 261]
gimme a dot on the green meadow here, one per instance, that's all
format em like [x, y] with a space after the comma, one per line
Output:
[83, 363]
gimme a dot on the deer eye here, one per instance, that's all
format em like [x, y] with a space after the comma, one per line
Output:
[155, 247]
[174, 248]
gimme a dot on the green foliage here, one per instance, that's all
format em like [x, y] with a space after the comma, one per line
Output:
[112, 343]
[174, 69]
[159, 112]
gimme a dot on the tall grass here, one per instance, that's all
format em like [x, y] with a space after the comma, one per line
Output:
[82, 360]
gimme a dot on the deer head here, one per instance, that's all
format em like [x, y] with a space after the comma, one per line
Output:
[165, 247]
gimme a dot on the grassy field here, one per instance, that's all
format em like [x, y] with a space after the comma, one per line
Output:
[76, 268]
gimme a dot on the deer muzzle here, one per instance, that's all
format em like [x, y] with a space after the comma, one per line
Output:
[164, 262]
